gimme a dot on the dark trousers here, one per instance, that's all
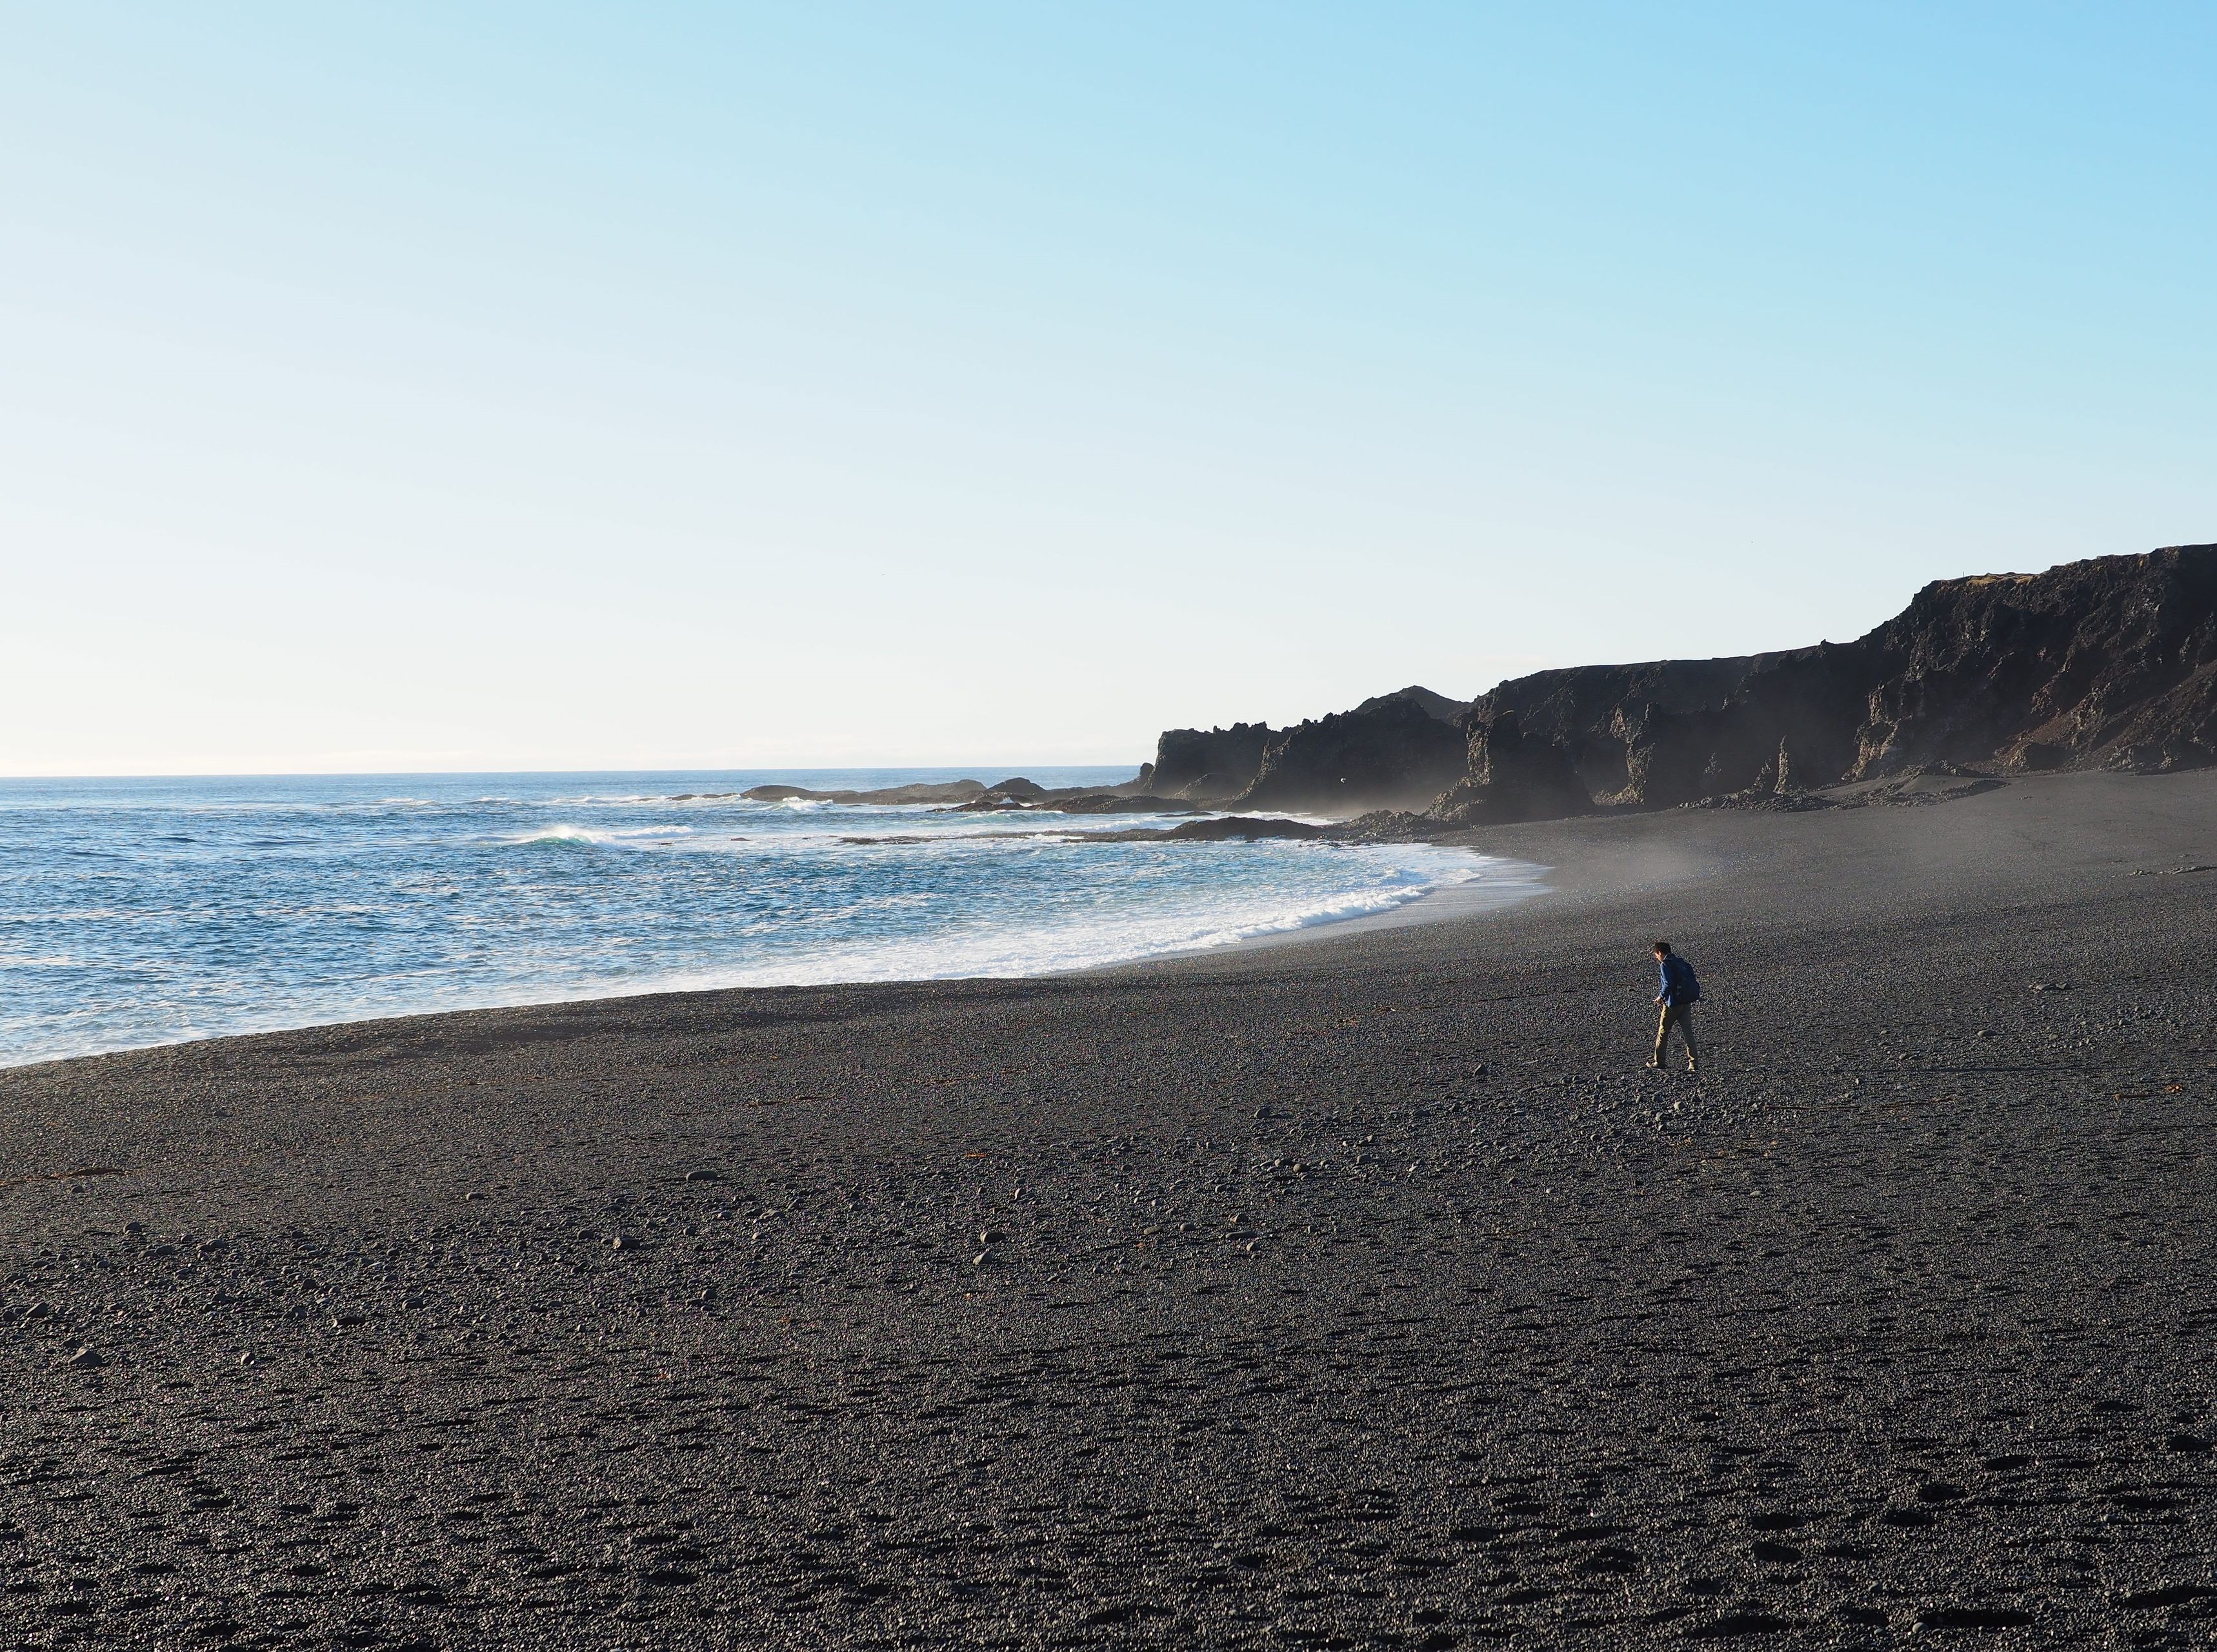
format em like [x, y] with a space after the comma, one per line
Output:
[1680, 1016]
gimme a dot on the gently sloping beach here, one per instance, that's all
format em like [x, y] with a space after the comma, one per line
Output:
[1359, 1292]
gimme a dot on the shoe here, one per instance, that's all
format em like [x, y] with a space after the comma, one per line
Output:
[1652, 1067]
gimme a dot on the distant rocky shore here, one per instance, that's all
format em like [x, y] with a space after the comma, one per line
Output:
[1018, 795]
[974, 796]
[2106, 664]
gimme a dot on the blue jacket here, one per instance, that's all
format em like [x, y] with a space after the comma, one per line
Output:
[1678, 986]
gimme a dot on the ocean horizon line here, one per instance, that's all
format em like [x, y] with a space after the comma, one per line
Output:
[983, 771]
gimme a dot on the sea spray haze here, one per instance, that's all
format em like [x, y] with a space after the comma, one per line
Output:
[140, 911]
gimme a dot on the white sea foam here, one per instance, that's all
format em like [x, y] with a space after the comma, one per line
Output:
[601, 836]
[1059, 949]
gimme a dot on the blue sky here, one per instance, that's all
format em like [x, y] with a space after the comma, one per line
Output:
[546, 386]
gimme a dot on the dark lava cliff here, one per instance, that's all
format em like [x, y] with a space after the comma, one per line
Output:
[2110, 663]
[1395, 750]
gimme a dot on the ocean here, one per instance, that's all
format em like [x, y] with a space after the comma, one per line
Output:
[144, 912]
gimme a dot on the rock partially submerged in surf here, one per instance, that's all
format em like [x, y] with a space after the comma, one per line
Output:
[1118, 803]
[1385, 825]
[1221, 829]
[975, 796]
[1076, 799]
[951, 791]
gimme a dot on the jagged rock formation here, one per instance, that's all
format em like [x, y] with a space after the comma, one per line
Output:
[1197, 763]
[1376, 754]
[1389, 752]
[1513, 778]
[2107, 663]
[2111, 663]
[1667, 732]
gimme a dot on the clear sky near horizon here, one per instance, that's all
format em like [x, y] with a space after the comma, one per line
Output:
[546, 386]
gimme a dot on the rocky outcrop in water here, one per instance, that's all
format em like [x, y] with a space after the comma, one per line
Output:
[1074, 799]
[952, 791]
[1221, 828]
[975, 797]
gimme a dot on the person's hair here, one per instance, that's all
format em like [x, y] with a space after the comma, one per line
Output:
[1664, 947]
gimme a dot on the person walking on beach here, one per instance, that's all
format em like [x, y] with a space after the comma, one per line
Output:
[1679, 993]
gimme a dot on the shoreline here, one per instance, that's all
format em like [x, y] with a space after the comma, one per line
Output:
[1443, 903]
[1438, 904]
[1575, 862]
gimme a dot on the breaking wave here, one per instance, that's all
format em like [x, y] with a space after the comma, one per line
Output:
[145, 913]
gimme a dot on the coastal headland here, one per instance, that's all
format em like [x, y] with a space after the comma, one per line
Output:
[2108, 664]
[1356, 1292]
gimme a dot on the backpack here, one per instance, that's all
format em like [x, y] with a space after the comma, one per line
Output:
[1686, 987]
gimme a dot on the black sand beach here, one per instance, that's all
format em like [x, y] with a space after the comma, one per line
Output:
[1357, 1293]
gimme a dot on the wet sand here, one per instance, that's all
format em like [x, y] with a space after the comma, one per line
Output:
[1357, 1292]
